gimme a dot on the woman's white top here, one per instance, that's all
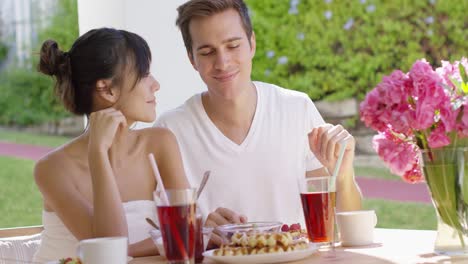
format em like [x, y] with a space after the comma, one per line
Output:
[58, 242]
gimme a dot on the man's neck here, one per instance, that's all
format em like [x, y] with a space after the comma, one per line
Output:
[233, 117]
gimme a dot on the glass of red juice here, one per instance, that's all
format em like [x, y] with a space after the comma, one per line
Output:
[318, 204]
[177, 221]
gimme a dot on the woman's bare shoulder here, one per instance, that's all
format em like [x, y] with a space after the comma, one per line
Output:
[59, 161]
[158, 139]
[157, 134]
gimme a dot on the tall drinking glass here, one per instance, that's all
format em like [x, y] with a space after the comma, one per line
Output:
[318, 203]
[177, 222]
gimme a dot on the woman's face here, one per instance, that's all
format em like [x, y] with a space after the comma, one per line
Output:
[138, 103]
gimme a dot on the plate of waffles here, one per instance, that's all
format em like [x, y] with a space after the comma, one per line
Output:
[262, 257]
[262, 247]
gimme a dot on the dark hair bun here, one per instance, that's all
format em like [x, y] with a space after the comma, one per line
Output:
[53, 61]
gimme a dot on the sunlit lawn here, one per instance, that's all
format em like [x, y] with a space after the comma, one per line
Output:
[32, 139]
[21, 203]
[392, 214]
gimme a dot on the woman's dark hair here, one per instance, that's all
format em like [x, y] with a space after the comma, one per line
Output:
[103, 53]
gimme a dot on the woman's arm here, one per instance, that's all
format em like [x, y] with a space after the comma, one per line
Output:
[167, 154]
[143, 248]
[108, 214]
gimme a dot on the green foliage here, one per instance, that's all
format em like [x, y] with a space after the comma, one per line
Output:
[3, 51]
[333, 63]
[28, 96]
[64, 26]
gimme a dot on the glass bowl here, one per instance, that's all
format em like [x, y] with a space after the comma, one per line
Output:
[226, 231]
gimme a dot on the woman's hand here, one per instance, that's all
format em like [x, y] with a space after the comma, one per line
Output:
[324, 142]
[103, 126]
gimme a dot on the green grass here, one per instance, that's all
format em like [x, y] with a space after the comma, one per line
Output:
[374, 172]
[32, 139]
[393, 214]
[21, 202]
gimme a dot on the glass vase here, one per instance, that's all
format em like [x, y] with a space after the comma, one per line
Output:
[445, 171]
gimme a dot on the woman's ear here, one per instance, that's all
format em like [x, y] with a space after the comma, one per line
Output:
[106, 91]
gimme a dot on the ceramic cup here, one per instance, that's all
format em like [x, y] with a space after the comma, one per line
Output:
[103, 250]
[356, 227]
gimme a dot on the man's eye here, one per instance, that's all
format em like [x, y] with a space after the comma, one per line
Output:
[234, 46]
[206, 53]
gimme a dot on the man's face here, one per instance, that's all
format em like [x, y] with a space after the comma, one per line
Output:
[222, 54]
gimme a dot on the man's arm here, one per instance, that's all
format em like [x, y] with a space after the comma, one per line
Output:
[323, 143]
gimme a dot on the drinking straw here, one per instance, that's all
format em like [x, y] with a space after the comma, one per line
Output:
[342, 144]
[159, 181]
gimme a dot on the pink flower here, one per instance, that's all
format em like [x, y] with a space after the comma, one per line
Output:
[414, 175]
[438, 138]
[448, 116]
[386, 103]
[371, 111]
[424, 115]
[399, 155]
[426, 82]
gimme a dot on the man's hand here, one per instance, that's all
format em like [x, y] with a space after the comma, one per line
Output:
[324, 143]
[222, 216]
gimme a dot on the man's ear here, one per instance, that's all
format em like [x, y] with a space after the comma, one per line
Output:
[253, 44]
[192, 61]
[106, 91]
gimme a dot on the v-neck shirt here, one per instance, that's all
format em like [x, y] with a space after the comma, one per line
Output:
[228, 143]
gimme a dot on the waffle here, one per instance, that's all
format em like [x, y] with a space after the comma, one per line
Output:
[230, 250]
[261, 239]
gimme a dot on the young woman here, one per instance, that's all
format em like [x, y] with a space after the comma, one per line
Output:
[101, 183]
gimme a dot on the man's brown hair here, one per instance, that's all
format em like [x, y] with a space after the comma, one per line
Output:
[206, 8]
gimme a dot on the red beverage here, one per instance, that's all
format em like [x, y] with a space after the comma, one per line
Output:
[319, 215]
[199, 246]
[178, 231]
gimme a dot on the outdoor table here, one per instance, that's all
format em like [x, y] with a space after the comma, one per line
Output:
[391, 246]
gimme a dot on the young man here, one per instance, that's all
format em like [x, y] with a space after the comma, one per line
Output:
[256, 138]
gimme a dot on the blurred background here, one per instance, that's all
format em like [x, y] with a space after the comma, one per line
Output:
[335, 51]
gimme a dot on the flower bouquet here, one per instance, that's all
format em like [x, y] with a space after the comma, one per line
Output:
[422, 122]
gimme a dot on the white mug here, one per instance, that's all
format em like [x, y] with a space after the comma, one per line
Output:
[103, 250]
[356, 227]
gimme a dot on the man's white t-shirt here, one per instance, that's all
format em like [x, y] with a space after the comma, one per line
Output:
[258, 178]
